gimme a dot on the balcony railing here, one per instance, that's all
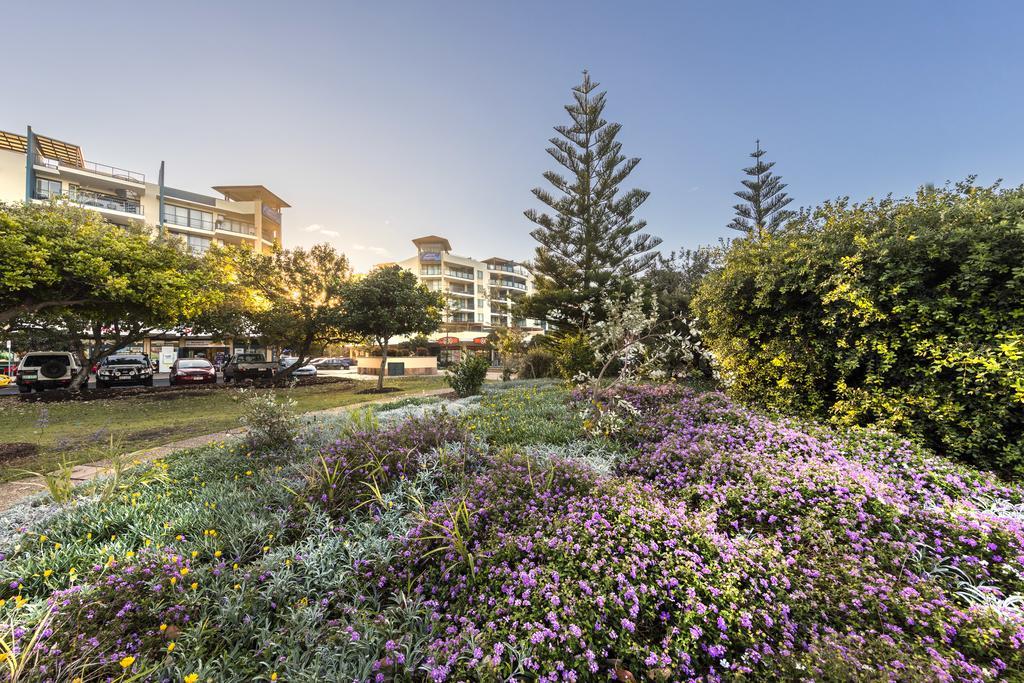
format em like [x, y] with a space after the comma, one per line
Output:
[100, 169]
[94, 200]
[512, 284]
[517, 270]
[104, 201]
[237, 227]
[464, 274]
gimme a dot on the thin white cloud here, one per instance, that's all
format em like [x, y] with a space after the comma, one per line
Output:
[315, 227]
[330, 233]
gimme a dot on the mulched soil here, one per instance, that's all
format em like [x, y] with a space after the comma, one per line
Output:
[159, 393]
[16, 450]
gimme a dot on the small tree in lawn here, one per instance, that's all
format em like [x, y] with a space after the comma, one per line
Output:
[298, 297]
[510, 343]
[763, 210]
[387, 303]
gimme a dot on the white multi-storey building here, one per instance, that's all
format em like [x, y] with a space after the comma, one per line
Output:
[481, 294]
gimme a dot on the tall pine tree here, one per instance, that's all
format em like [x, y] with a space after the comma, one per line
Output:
[764, 210]
[590, 242]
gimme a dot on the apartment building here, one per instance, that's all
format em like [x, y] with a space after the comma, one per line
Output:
[37, 167]
[481, 294]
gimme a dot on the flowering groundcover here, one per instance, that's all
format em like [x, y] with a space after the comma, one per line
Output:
[698, 542]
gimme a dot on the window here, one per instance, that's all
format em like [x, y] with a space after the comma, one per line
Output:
[46, 188]
[198, 245]
[430, 270]
[193, 218]
[479, 303]
[240, 227]
[479, 275]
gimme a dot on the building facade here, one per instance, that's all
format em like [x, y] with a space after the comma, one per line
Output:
[480, 294]
[37, 168]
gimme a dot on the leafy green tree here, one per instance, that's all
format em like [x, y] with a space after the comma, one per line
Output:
[387, 303]
[60, 256]
[764, 201]
[150, 284]
[591, 241]
[510, 343]
[900, 313]
[297, 298]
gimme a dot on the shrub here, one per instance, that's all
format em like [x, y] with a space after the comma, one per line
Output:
[905, 314]
[538, 364]
[272, 424]
[574, 355]
[468, 375]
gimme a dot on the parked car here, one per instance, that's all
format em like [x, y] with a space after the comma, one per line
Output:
[41, 370]
[332, 363]
[124, 368]
[192, 371]
[304, 371]
[248, 366]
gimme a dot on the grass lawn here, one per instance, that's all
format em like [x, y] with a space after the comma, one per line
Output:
[81, 431]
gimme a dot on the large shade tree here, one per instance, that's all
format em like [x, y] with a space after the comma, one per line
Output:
[387, 303]
[589, 240]
[298, 296]
[98, 287]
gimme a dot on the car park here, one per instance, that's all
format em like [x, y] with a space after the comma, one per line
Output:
[41, 370]
[305, 371]
[332, 363]
[124, 369]
[248, 366]
[192, 371]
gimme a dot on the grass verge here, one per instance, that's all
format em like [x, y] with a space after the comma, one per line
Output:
[39, 436]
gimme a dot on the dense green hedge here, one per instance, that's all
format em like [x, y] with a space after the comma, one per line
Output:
[903, 313]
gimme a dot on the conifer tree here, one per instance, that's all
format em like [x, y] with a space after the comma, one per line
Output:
[765, 201]
[590, 242]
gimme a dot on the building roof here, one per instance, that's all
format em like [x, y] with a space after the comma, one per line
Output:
[249, 193]
[64, 152]
[498, 259]
[433, 239]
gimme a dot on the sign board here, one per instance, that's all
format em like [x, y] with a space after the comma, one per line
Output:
[168, 354]
[202, 343]
[430, 257]
[480, 340]
[272, 214]
[448, 341]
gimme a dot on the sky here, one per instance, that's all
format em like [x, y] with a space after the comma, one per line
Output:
[383, 121]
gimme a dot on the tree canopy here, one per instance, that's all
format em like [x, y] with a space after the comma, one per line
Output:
[387, 303]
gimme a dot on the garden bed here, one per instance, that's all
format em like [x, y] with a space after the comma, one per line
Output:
[670, 535]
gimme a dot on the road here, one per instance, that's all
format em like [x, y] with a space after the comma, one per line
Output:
[160, 380]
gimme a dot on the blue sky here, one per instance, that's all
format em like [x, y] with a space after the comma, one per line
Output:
[381, 121]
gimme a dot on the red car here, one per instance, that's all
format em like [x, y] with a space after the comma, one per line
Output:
[192, 371]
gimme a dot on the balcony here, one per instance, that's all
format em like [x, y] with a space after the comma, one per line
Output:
[104, 202]
[236, 227]
[92, 167]
[515, 270]
[508, 284]
[464, 274]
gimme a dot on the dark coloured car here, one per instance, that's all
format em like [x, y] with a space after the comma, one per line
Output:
[248, 366]
[333, 363]
[192, 371]
[124, 369]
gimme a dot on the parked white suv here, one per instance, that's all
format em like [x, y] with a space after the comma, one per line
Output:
[41, 370]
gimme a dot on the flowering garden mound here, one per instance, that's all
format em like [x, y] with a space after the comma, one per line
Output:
[506, 537]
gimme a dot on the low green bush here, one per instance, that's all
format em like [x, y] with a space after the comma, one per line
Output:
[901, 313]
[574, 355]
[538, 364]
[468, 375]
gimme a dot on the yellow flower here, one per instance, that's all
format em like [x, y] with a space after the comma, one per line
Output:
[3, 656]
[127, 662]
[170, 646]
[174, 580]
[217, 554]
[191, 678]
[266, 548]
[195, 585]
[163, 627]
[56, 546]
[46, 573]
[184, 571]
[42, 539]
[273, 676]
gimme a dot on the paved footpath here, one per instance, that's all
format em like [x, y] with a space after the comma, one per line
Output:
[14, 492]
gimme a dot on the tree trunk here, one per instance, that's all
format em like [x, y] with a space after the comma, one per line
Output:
[383, 365]
[81, 379]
